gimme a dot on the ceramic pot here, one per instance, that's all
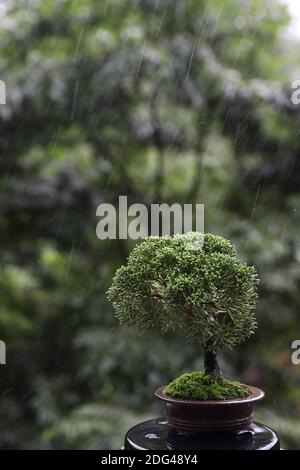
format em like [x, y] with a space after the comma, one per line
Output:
[193, 416]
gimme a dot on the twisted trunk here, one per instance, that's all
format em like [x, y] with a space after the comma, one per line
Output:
[210, 361]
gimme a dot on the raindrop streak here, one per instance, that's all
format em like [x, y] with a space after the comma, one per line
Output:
[175, 136]
[195, 47]
[141, 59]
[282, 238]
[160, 24]
[78, 44]
[255, 202]
[70, 260]
[191, 59]
[53, 141]
[74, 103]
[26, 395]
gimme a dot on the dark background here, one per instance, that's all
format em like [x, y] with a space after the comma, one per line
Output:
[159, 100]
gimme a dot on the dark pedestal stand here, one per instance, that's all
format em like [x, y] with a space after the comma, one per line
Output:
[155, 434]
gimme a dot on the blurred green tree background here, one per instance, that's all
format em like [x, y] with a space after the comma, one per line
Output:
[162, 101]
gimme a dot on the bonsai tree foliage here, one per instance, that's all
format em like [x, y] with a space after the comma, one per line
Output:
[192, 282]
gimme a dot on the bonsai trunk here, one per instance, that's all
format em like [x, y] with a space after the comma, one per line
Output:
[210, 361]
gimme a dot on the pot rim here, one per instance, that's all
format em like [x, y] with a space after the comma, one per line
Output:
[256, 395]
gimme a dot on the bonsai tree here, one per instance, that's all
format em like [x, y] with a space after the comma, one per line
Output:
[192, 282]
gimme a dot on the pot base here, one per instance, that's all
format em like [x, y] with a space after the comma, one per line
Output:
[156, 434]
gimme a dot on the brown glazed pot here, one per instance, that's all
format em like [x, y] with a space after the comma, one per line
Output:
[193, 416]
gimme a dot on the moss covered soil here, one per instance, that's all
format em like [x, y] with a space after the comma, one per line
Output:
[199, 386]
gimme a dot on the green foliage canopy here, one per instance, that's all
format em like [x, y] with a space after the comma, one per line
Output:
[205, 291]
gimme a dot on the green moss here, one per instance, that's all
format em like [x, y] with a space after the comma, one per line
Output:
[199, 386]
